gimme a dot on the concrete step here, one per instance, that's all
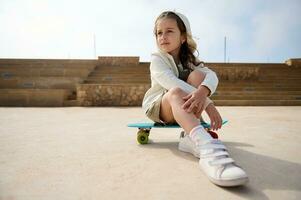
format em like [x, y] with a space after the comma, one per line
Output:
[278, 80]
[258, 84]
[71, 103]
[119, 84]
[279, 75]
[41, 82]
[279, 70]
[71, 63]
[222, 93]
[6, 73]
[111, 81]
[98, 73]
[266, 87]
[123, 67]
[146, 73]
[246, 65]
[33, 97]
[257, 102]
[119, 76]
[257, 97]
[269, 88]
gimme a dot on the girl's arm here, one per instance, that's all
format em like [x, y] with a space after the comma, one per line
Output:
[167, 79]
[211, 80]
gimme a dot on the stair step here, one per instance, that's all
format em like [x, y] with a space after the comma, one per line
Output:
[33, 97]
[257, 97]
[71, 103]
[221, 93]
[295, 88]
[119, 76]
[110, 78]
[40, 82]
[115, 82]
[260, 84]
[257, 102]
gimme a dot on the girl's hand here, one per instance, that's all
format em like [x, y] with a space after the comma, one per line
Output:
[195, 101]
[215, 117]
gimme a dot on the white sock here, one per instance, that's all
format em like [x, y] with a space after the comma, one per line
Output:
[199, 132]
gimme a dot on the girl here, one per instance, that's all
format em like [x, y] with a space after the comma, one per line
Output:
[180, 87]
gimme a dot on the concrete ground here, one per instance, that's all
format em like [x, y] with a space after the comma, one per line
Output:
[89, 153]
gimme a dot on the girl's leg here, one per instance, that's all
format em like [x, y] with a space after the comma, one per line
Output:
[171, 110]
[171, 104]
[214, 152]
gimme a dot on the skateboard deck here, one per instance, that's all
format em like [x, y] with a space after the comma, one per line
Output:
[145, 127]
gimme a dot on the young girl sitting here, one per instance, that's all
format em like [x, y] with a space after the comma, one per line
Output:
[180, 87]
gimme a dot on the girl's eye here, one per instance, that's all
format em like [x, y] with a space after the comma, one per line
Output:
[160, 33]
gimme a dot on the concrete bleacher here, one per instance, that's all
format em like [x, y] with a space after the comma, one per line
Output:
[240, 84]
[41, 82]
[261, 84]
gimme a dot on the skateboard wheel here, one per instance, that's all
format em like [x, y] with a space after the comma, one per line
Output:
[142, 137]
[147, 132]
[213, 134]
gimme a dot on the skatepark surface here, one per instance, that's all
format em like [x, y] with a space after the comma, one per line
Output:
[90, 153]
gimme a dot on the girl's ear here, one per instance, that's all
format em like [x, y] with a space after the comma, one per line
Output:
[183, 39]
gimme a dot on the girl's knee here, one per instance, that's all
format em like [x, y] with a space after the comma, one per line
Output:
[195, 78]
[175, 92]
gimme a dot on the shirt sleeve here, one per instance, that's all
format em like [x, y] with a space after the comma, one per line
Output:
[167, 79]
[211, 80]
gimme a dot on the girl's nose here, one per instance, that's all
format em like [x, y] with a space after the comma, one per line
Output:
[163, 36]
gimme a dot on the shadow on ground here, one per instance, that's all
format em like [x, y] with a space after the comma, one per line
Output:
[265, 172]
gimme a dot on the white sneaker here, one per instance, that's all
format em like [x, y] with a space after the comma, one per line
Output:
[187, 145]
[214, 161]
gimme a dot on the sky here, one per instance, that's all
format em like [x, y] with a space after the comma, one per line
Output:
[255, 30]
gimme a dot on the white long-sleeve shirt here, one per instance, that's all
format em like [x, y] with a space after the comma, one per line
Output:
[164, 76]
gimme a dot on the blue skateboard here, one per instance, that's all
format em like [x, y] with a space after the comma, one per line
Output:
[145, 127]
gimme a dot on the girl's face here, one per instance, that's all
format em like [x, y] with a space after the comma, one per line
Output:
[168, 36]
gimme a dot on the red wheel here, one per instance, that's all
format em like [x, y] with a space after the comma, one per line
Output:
[213, 134]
